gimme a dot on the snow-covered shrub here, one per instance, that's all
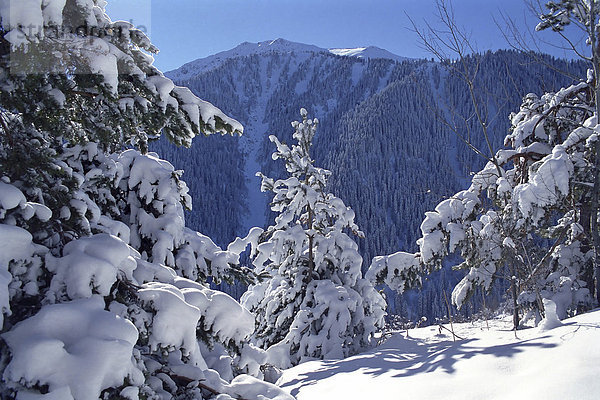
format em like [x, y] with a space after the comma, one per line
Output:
[315, 304]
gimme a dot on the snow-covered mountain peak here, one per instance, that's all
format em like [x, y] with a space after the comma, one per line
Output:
[196, 67]
[286, 46]
[280, 45]
[367, 52]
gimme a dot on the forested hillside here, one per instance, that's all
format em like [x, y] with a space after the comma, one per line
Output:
[380, 134]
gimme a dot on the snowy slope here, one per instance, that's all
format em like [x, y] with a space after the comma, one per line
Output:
[562, 364]
[368, 52]
[196, 67]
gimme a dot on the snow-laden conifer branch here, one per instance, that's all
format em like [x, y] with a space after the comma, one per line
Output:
[103, 289]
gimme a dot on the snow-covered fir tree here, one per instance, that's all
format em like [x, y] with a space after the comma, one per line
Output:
[525, 221]
[103, 289]
[315, 304]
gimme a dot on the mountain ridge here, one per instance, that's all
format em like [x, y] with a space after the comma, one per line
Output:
[202, 65]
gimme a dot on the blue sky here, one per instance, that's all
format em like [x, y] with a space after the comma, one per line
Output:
[185, 30]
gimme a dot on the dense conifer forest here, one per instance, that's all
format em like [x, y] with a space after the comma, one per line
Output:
[382, 134]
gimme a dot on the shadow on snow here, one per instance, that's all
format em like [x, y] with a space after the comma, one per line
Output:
[409, 356]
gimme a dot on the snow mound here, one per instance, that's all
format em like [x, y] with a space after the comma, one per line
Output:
[75, 348]
[252, 388]
[551, 319]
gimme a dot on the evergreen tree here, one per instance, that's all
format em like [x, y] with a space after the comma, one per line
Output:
[96, 263]
[315, 303]
[71, 75]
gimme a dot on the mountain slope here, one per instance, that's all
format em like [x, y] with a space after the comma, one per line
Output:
[391, 158]
[265, 90]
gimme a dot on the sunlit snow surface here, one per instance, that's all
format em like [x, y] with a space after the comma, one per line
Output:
[368, 52]
[562, 363]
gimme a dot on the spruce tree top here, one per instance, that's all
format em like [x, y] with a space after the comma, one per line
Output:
[303, 193]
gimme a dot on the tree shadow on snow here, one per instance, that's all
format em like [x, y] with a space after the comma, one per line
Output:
[408, 357]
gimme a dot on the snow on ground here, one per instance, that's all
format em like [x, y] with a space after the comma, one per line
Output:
[562, 363]
[255, 129]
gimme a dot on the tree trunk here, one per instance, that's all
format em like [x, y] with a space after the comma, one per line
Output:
[594, 221]
[596, 190]
[311, 258]
[585, 217]
[513, 290]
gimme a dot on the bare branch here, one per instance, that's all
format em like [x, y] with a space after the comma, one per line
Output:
[451, 39]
